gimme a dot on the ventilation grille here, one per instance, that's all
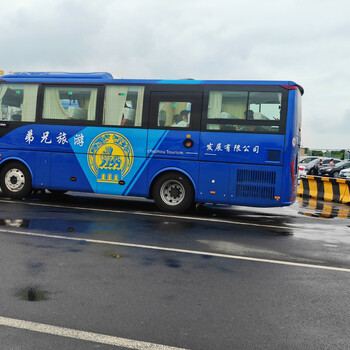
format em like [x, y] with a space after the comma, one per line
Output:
[256, 176]
[255, 184]
[252, 191]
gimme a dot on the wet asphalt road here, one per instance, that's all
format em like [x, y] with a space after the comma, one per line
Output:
[120, 268]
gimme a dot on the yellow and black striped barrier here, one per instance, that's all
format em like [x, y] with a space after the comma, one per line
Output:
[325, 188]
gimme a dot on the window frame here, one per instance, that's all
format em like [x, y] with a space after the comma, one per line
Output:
[145, 107]
[173, 95]
[68, 122]
[16, 123]
[246, 122]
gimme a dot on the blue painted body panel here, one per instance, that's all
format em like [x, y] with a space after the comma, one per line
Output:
[170, 145]
[54, 165]
[240, 148]
[223, 154]
[213, 186]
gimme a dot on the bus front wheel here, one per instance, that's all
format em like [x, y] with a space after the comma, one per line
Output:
[15, 180]
[173, 193]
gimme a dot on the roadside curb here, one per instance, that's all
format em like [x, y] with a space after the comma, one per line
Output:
[325, 188]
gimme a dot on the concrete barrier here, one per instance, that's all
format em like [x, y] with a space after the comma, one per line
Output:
[325, 188]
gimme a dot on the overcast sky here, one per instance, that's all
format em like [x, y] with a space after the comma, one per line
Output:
[306, 41]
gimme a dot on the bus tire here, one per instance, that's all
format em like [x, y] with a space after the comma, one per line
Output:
[15, 180]
[173, 193]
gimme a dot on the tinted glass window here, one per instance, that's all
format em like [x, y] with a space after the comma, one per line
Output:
[174, 114]
[227, 104]
[264, 105]
[70, 103]
[18, 102]
[123, 105]
[243, 111]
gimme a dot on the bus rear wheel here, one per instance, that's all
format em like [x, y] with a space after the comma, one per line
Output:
[173, 193]
[15, 180]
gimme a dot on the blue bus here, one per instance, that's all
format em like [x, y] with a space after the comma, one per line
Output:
[179, 142]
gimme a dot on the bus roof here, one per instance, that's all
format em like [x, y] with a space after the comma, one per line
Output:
[56, 75]
[104, 77]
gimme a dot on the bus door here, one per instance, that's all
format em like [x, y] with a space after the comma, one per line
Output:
[174, 125]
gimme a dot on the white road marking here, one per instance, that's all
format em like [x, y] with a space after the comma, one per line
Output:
[167, 216]
[82, 335]
[177, 250]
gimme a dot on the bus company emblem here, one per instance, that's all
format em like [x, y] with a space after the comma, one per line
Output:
[110, 157]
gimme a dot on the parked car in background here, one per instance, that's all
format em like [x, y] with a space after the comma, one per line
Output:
[311, 167]
[345, 173]
[306, 164]
[333, 171]
[314, 166]
[306, 160]
[326, 162]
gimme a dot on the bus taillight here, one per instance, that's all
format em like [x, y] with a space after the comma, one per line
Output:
[292, 173]
[289, 87]
[293, 87]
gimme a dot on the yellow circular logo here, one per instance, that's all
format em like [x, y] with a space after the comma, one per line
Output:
[110, 156]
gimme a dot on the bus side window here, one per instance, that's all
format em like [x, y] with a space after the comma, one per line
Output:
[174, 114]
[224, 108]
[265, 105]
[244, 111]
[123, 105]
[70, 103]
[18, 102]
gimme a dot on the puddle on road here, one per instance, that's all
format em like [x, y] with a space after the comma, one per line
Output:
[280, 232]
[56, 225]
[275, 222]
[325, 210]
[173, 263]
[111, 255]
[15, 223]
[32, 294]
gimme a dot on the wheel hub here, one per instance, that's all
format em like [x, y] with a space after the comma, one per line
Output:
[172, 192]
[14, 180]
